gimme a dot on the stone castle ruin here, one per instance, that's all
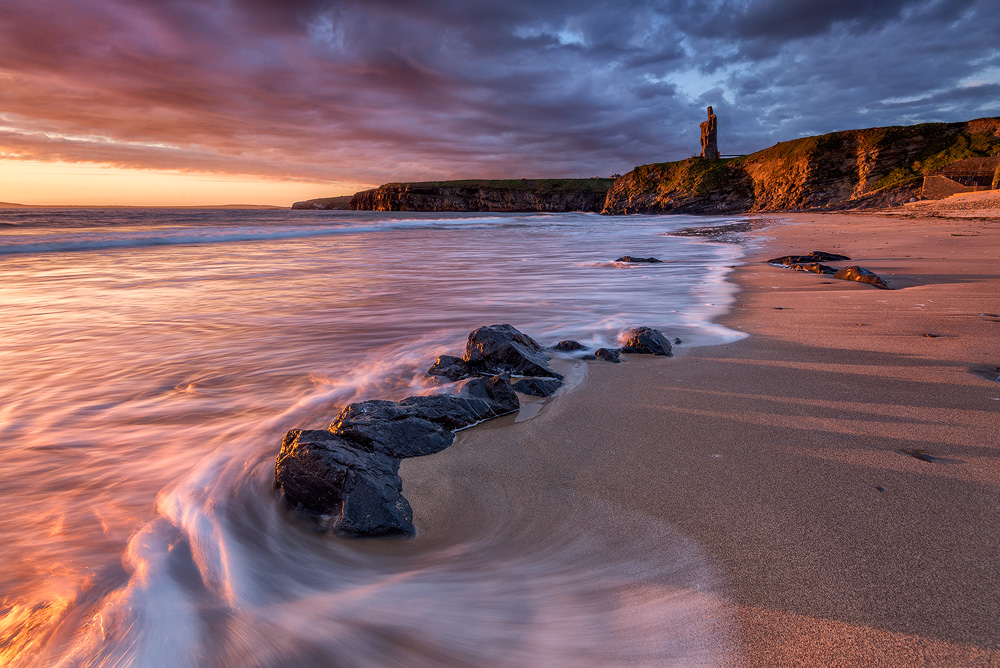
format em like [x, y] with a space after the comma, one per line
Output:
[709, 137]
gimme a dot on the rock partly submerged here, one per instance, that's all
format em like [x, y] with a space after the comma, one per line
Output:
[608, 355]
[496, 349]
[503, 349]
[646, 340]
[326, 476]
[634, 258]
[347, 478]
[637, 341]
[537, 387]
[451, 368]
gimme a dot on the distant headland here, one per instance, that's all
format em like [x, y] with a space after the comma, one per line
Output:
[850, 169]
[551, 195]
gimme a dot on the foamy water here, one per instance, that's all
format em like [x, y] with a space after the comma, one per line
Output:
[153, 359]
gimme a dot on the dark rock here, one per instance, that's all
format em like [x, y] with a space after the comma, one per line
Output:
[646, 340]
[537, 387]
[418, 426]
[788, 260]
[503, 349]
[462, 410]
[322, 474]
[823, 256]
[814, 267]
[351, 471]
[374, 506]
[861, 275]
[450, 367]
[495, 390]
[815, 256]
[607, 354]
[633, 258]
[399, 431]
[919, 454]
[569, 345]
[677, 342]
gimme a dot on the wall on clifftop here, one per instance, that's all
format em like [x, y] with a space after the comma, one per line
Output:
[552, 195]
[849, 169]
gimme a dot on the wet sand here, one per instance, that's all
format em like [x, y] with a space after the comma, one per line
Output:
[784, 455]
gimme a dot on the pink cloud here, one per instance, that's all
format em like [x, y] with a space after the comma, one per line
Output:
[385, 90]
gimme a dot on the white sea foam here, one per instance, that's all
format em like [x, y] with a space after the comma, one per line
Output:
[166, 361]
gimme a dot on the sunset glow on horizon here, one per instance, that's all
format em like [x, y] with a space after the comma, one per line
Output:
[37, 183]
[132, 101]
[443, 333]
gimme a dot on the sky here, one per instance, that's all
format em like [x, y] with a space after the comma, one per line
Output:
[272, 101]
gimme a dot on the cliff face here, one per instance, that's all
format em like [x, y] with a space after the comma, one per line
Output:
[510, 195]
[850, 169]
[325, 203]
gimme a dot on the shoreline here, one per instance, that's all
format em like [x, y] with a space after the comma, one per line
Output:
[880, 558]
[783, 455]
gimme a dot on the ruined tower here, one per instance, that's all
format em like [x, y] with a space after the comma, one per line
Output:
[709, 140]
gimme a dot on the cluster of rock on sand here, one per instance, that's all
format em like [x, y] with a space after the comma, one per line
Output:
[347, 476]
[813, 263]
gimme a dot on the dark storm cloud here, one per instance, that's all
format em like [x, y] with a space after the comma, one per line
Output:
[382, 90]
[792, 19]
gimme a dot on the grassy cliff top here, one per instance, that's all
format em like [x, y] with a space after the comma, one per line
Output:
[870, 167]
[915, 150]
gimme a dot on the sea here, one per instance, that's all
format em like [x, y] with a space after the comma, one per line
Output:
[152, 359]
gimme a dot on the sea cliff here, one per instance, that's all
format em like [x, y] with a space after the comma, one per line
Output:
[842, 170]
[325, 203]
[513, 195]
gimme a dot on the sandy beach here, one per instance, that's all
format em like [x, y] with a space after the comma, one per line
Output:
[787, 456]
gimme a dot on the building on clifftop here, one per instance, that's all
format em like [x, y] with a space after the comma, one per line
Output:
[709, 138]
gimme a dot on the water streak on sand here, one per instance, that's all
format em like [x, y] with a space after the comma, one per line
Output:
[154, 359]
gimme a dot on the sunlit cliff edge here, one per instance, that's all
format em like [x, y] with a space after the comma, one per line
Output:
[342, 202]
[486, 195]
[510, 195]
[869, 168]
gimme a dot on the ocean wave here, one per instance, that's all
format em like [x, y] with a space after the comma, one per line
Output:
[187, 235]
[173, 375]
[497, 576]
